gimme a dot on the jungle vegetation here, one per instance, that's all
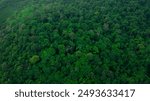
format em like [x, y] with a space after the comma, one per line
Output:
[75, 41]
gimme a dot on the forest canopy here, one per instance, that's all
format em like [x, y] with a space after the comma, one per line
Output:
[75, 41]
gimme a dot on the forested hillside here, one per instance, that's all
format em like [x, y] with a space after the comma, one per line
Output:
[75, 41]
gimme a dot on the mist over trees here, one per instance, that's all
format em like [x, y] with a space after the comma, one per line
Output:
[74, 41]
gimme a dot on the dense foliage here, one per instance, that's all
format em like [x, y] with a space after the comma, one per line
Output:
[75, 41]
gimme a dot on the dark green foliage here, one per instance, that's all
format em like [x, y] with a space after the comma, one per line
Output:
[75, 41]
